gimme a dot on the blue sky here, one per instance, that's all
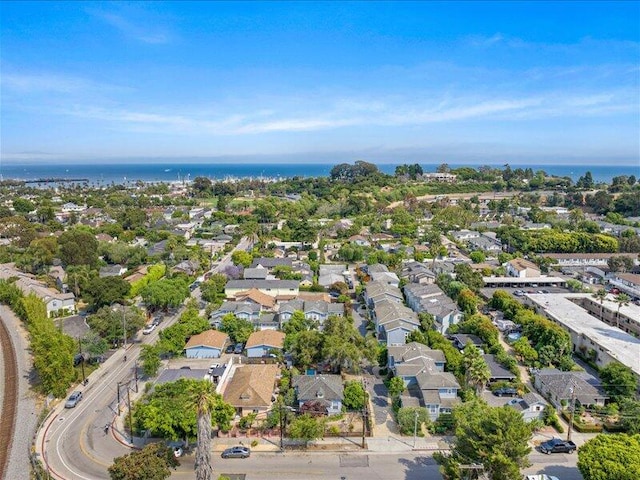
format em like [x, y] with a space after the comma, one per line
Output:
[542, 82]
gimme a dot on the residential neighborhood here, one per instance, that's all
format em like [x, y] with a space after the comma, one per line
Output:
[347, 329]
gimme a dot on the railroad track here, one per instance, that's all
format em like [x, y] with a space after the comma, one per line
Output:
[10, 399]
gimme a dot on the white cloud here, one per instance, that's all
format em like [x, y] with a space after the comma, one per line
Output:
[140, 29]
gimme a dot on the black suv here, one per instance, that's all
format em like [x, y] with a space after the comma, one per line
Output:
[505, 391]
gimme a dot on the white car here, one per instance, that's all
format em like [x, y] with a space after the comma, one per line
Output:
[149, 328]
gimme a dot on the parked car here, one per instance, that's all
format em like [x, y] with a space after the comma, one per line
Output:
[149, 328]
[541, 476]
[238, 348]
[177, 447]
[229, 349]
[213, 367]
[557, 445]
[505, 391]
[73, 399]
[236, 452]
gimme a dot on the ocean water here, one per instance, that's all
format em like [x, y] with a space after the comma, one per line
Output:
[102, 173]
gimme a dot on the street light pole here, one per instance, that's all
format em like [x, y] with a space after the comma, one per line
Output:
[415, 427]
[81, 360]
[124, 325]
[130, 415]
[281, 428]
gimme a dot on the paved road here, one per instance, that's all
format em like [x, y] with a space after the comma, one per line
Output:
[364, 465]
[73, 442]
[324, 466]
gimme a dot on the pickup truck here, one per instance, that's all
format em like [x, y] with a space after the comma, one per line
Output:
[557, 445]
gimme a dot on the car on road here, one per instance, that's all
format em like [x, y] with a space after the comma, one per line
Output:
[236, 452]
[505, 392]
[519, 293]
[149, 328]
[557, 445]
[73, 399]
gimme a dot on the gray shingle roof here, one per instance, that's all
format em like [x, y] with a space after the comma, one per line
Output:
[314, 387]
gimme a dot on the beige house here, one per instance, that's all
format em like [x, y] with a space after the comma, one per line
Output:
[521, 268]
[250, 388]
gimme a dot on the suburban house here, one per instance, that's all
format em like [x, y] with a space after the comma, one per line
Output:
[111, 271]
[249, 311]
[521, 268]
[269, 263]
[330, 274]
[486, 243]
[394, 322]
[431, 299]
[250, 388]
[628, 283]
[188, 267]
[326, 390]
[316, 310]
[463, 235]
[422, 370]
[57, 273]
[208, 344]
[380, 273]
[266, 302]
[273, 288]
[416, 272]
[498, 371]
[409, 359]
[531, 406]
[587, 259]
[460, 340]
[439, 392]
[557, 386]
[376, 291]
[56, 303]
[261, 343]
[258, 273]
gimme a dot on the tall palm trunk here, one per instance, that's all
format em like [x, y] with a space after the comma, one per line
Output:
[204, 470]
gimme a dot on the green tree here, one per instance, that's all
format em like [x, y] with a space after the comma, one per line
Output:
[618, 381]
[78, 247]
[213, 289]
[396, 387]
[496, 437]
[477, 256]
[163, 412]
[305, 347]
[150, 357]
[610, 457]
[153, 462]
[165, 293]
[203, 398]
[525, 351]
[477, 373]
[237, 328]
[109, 322]
[622, 299]
[600, 296]
[23, 206]
[354, 396]
[306, 427]
[240, 257]
[410, 418]
[107, 290]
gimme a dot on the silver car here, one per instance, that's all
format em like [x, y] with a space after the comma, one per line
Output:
[73, 400]
[236, 452]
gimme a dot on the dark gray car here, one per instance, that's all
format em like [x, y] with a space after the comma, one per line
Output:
[236, 452]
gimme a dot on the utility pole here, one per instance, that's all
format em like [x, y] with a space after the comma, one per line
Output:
[281, 427]
[124, 325]
[415, 427]
[572, 406]
[135, 374]
[118, 397]
[130, 415]
[81, 360]
[364, 413]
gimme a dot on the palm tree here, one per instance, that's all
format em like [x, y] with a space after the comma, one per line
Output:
[477, 371]
[204, 399]
[621, 299]
[600, 295]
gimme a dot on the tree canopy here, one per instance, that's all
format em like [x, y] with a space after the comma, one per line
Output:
[153, 462]
[496, 437]
[610, 457]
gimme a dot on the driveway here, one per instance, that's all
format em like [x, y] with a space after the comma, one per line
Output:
[358, 320]
[379, 396]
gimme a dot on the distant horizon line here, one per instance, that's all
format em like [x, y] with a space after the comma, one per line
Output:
[231, 160]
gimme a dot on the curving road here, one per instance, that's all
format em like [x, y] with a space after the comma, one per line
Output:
[9, 397]
[72, 443]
